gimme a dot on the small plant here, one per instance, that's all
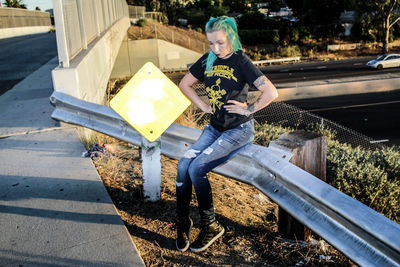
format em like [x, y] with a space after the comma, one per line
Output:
[164, 19]
[142, 22]
[370, 176]
[290, 51]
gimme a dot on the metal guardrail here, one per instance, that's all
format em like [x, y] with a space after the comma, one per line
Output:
[362, 234]
[260, 62]
[270, 61]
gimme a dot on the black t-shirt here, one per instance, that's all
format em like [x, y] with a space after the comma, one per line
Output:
[226, 81]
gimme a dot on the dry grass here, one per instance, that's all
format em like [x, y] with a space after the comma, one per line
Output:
[249, 216]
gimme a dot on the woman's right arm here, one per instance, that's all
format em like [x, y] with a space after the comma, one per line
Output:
[186, 87]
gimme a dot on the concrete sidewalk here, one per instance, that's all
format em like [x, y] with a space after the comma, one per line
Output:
[54, 209]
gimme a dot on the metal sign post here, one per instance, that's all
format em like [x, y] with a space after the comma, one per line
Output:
[150, 102]
[151, 169]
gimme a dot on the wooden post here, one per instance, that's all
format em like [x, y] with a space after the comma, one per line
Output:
[309, 153]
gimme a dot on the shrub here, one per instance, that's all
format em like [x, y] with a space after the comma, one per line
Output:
[164, 19]
[370, 176]
[142, 22]
[254, 37]
[290, 51]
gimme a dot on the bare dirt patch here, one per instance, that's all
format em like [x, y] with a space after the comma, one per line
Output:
[249, 217]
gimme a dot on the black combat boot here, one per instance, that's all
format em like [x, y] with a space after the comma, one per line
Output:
[183, 225]
[208, 234]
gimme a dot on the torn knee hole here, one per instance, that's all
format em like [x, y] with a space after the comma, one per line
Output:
[191, 153]
[208, 151]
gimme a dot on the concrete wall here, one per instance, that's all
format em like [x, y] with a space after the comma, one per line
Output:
[335, 88]
[17, 22]
[20, 31]
[89, 72]
[18, 17]
[167, 56]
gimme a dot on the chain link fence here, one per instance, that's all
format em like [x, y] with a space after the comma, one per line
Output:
[184, 39]
[285, 115]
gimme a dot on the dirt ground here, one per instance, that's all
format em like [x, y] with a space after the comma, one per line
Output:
[249, 217]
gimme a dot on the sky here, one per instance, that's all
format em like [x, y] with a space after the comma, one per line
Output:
[42, 4]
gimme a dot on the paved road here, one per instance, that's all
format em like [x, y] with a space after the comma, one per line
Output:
[322, 70]
[20, 56]
[312, 71]
[375, 115]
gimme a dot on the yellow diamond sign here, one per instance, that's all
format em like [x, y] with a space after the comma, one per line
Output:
[150, 102]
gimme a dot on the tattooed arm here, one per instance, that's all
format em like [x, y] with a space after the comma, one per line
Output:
[268, 94]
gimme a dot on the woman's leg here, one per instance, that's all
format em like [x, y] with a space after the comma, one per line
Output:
[183, 181]
[228, 144]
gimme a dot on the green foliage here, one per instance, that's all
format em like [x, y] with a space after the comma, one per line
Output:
[370, 176]
[142, 22]
[199, 12]
[264, 133]
[295, 35]
[290, 51]
[253, 37]
[14, 3]
[164, 19]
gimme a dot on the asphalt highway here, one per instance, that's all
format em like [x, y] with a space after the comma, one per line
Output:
[375, 115]
[301, 72]
[20, 56]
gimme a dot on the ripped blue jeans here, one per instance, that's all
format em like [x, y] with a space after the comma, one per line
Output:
[210, 150]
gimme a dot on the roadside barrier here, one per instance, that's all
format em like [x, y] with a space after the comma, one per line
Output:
[278, 60]
[362, 234]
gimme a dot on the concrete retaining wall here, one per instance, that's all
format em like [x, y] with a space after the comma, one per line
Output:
[18, 17]
[89, 72]
[339, 88]
[165, 55]
[20, 31]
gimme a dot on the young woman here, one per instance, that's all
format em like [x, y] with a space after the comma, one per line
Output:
[225, 70]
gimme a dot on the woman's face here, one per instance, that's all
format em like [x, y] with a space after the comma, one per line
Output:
[219, 43]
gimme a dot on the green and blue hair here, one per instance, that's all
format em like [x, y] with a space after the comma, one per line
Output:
[227, 25]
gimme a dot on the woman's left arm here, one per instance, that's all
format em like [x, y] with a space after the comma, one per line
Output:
[268, 94]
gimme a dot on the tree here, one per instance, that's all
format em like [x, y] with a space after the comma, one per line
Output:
[14, 3]
[38, 8]
[385, 14]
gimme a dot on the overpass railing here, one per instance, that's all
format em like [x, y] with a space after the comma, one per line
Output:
[79, 22]
[362, 234]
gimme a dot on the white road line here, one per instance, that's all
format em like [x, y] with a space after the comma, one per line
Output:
[322, 67]
[284, 71]
[378, 141]
[357, 64]
[354, 106]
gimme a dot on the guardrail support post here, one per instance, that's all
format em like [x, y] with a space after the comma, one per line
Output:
[151, 167]
[309, 154]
